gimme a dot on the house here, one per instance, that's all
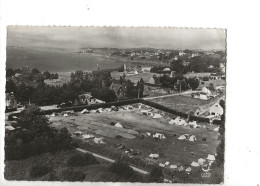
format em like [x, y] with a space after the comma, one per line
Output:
[10, 101]
[181, 53]
[216, 110]
[154, 80]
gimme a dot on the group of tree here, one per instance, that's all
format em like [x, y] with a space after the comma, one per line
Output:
[33, 135]
[179, 83]
[48, 75]
[131, 90]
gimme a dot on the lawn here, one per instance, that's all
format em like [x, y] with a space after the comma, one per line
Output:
[184, 103]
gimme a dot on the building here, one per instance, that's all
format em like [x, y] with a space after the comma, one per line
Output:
[154, 80]
[10, 101]
[216, 110]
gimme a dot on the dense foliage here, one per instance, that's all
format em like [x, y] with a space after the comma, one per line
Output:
[72, 175]
[34, 135]
[39, 170]
[78, 160]
[156, 175]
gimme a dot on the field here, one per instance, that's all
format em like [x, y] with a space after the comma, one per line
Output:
[19, 170]
[134, 77]
[170, 149]
[185, 104]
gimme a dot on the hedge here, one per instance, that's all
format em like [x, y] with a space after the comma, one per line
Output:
[39, 171]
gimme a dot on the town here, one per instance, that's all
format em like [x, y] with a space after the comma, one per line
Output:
[157, 116]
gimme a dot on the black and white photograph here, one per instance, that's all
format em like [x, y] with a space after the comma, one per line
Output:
[115, 104]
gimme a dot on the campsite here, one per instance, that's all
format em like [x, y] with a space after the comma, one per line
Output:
[138, 133]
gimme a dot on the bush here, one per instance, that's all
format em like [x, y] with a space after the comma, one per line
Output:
[122, 169]
[39, 171]
[72, 175]
[156, 175]
[79, 160]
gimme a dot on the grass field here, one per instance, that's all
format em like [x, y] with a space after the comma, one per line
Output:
[184, 103]
[134, 120]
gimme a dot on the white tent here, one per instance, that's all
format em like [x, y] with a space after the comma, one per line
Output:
[173, 166]
[65, 115]
[148, 133]
[172, 122]
[84, 111]
[201, 161]
[182, 137]
[159, 135]
[93, 111]
[216, 129]
[179, 121]
[154, 156]
[118, 125]
[130, 107]
[180, 168]
[166, 69]
[167, 163]
[98, 141]
[162, 165]
[195, 164]
[211, 157]
[188, 169]
[205, 90]
[156, 116]
[53, 114]
[9, 127]
[216, 110]
[193, 138]
[100, 110]
[144, 112]
[88, 136]
[78, 133]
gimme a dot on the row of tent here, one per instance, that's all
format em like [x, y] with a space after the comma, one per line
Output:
[90, 136]
[188, 137]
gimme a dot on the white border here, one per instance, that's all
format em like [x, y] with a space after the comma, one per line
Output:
[240, 18]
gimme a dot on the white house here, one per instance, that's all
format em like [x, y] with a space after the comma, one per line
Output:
[216, 110]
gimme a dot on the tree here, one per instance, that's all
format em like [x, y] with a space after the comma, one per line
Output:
[10, 86]
[9, 72]
[177, 66]
[193, 83]
[46, 75]
[156, 175]
[122, 169]
[35, 71]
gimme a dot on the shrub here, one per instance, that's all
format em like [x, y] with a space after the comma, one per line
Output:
[122, 169]
[79, 160]
[39, 171]
[156, 175]
[72, 175]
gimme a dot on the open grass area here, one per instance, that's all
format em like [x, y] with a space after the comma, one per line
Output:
[171, 149]
[134, 77]
[184, 103]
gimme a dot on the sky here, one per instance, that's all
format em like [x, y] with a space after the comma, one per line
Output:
[116, 37]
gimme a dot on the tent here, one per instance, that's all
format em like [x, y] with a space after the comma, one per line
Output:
[118, 125]
[211, 157]
[182, 137]
[148, 133]
[193, 138]
[162, 165]
[100, 110]
[98, 141]
[93, 111]
[88, 136]
[145, 112]
[84, 111]
[216, 129]
[180, 168]
[193, 123]
[173, 166]
[167, 163]
[9, 128]
[205, 90]
[159, 135]
[130, 107]
[78, 133]
[154, 156]
[188, 169]
[201, 161]
[65, 115]
[179, 121]
[195, 164]
[53, 114]
[172, 122]
[156, 116]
